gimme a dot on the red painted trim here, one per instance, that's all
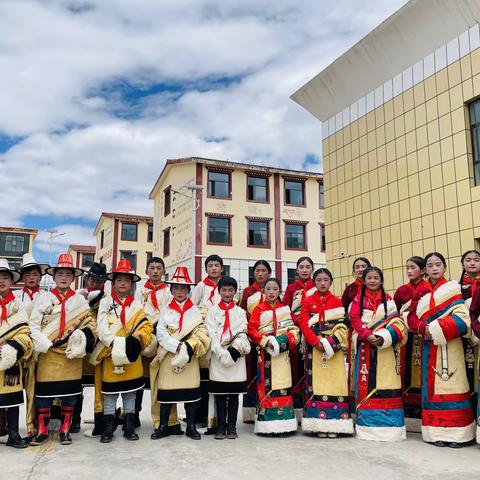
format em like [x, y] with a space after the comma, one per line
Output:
[198, 219]
[77, 264]
[115, 243]
[277, 223]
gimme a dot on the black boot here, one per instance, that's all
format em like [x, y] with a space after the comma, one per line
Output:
[191, 410]
[77, 414]
[3, 422]
[107, 434]
[97, 424]
[232, 413]
[138, 407]
[162, 431]
[129, 432]
[221, 407]
[14, 439]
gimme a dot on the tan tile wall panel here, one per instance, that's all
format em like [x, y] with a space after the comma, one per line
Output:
[399, 180]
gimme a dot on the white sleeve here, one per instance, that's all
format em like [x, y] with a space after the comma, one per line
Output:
[165, 340]
[41, 343]
[215, 345]
[197, 294]
[139, 296]
[104, 333]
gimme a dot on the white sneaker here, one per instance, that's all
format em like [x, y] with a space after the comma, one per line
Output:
[322, 435]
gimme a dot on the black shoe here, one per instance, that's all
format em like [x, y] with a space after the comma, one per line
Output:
[129, 432]
[65, 438]
[98, 425]
[193, 433]
[232, 413]
[40, 440]
[221, 412]
[191, 410]
[175, 429]
[161, 432]
[137, 423]
[210, 431]
[16, 441]
[439, 443]
[220, 436]
[75, 426]
[456, 445]
[232, 435]
[28, 440]
[107, 434]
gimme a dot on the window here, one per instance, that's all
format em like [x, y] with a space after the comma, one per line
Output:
[257, 189]
[251, 278]
[226, 271]
[102, 238]
[294, 193]
[291, 275]
[295, 236]
[14, 243]
[218, 184]
[475, 129]
[166, 242]
[131, 257]
[150, 233]
[149, 256]
[14, 265]
[323, 238]
[129, 232]
[258, 234]
[87, 260]
[167, 201]
[219, 230]
[322, 195]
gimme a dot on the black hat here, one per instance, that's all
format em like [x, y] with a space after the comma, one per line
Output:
[98, 271]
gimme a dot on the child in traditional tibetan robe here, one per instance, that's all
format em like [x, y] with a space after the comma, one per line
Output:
[322, 322]
[227, 328]
[379, 334]
[438, 313]
[123, 331]
[272, 330]
[411, 353]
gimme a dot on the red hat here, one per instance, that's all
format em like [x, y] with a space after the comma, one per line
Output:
[181, 277]
[65, 260]
[123, 267]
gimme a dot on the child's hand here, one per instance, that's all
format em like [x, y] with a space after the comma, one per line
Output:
[378, 341]
[428, 335]
[371, 339]
[319, 346]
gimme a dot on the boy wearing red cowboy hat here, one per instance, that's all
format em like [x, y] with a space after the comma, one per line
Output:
[15, 347]
[123, 331]
[63, 331]
[154, 295]
[183, 339]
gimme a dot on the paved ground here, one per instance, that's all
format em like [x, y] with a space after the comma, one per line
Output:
[248, 457]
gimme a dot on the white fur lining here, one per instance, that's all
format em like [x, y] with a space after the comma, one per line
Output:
[449, 434]
[478, 435]
[474, 339]
[151, 349]
[381, 434]
[8, 357]
[77, 345]
[276, 426]
[330, 314]
[274, 351]
[181, 357]
[437, 334]
[248, 414]
[329, 352]
[119, 355]
[387, 337]
[316, 425]
[443, 292]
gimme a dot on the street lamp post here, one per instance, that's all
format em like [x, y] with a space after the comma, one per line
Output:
[53, 234]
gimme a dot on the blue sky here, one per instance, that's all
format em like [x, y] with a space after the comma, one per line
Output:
[96, 95]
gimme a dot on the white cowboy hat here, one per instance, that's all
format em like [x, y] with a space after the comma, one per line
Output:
[28, 261]
[5, 267]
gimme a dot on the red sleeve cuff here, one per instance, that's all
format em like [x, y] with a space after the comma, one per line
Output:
[365, 333]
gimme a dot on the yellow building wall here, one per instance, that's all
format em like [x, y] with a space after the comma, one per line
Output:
[106, 253]
[399, 180]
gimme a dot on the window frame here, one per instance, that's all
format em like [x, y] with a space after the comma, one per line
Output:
[302, 181]
[149, 233]
[257, 175]
[321, 195]
[132, 264]
[269, 235]
[222, 217]
[299, 224]
[323, 237]
[167, 191]
[474, 126]
[128, 239]
[88, 255]
[19, 239]
[224, 172]
[166, 234]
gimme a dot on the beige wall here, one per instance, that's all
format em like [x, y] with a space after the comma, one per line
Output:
[399, 180]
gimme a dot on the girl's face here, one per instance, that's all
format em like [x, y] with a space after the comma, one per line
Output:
[31, 278]
[155, 272]
[180, 292]
[373, 281]
[122, 284]
[358, 268]
[63, 278]
[261, 274]
[272, 291]
[435, 268]
[471, 264]
[414, 272]
[5, 283]
[322, 282]
[304, 270]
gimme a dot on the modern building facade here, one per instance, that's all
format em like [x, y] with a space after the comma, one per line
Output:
[15, 242]
[400, 116]
[243, 213]
[83, 257]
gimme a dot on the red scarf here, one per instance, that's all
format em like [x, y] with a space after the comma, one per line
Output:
[154, 289]
[374, 299]
[258, 288]
[305, 286]
[9, 297]
[474, 283]
[30, 292]
[126, 303]
[63, 300]
[273, 308]
[226, 308]
[323, 302]
[175, 306]
[214, 286]
[432, 290]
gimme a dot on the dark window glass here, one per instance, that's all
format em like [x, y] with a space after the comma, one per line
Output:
[149, 256]
[150, 233]
[166, 242]
[291, 275]
[102, 238]
[475, 130]
[218, 184]
[14, 244]
[251, 278]
[257, 233]
[129, 232]
[294, 193]
[257, 189]
[323, 238]
[131, 257]
[322, 195]
[226, 271]
[87, 260]
[218, 230]
[167, 202]
[295, 235]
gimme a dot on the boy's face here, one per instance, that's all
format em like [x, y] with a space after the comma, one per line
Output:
[214, 270]
[122, 284]
[155, 272]
[95, 284]
[180, 292]
[6, 283]
[31, 278]
[63, 278]
[227, 293]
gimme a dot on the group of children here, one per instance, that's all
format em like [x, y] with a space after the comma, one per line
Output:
[407, 363]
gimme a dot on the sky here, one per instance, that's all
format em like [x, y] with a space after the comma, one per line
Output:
[96, 95]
